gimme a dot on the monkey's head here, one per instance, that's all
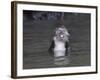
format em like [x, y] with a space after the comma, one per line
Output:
[62, 34]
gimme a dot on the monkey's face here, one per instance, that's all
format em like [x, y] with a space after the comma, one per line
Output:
[62, 34]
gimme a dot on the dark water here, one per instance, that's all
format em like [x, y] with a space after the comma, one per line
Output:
[38, 36]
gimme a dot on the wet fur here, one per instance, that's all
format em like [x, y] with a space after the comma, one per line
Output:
[66, 41]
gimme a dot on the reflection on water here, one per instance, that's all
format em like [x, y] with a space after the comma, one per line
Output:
[63, 60]
[60, 58]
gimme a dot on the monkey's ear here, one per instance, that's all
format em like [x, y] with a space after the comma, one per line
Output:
[67, 33]
[55, 30]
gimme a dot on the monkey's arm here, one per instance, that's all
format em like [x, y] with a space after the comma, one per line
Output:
[67, 48]
[52, 46]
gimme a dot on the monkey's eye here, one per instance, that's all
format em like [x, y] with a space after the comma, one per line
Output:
[60, 31]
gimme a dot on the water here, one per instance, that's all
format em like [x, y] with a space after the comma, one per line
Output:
[63, 60]
[45, 60]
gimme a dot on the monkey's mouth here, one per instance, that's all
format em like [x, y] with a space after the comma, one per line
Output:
[61, 36]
